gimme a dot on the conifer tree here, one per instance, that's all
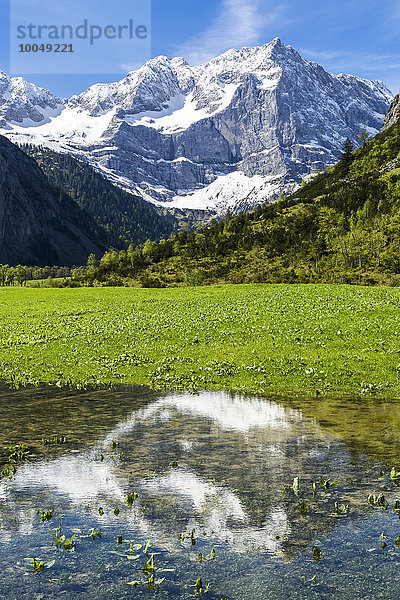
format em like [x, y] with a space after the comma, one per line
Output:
[347, 155]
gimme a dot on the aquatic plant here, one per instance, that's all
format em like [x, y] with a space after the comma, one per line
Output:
[199, 586]
[302, 508]
[46, 515]
[7, 472]
[395, 476]
[60, 540]
[38, 565]
[131, 498]
[54, 441]
[317, 554]
[18, 453]
[378, 500]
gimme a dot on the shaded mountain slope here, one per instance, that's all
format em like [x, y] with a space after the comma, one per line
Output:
[39, 224]
[125, 217]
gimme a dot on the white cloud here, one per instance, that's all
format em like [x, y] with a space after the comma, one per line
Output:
[239, 23]
[129, 67]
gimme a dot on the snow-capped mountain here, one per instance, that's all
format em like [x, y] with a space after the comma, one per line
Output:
[23, 103]
[233, 132]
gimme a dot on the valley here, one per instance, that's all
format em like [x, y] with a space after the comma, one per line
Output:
[199, 333]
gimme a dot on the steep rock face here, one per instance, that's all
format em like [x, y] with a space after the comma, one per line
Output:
[393, 114]
[35, 227]
[264, 112]
[231, 133]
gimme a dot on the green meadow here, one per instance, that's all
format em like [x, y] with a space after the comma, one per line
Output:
[278, 339]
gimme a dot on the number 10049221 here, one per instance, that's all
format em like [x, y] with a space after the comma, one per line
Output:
[45, 48]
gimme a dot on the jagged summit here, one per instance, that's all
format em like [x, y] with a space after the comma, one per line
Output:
[232, 132]
[25, 103]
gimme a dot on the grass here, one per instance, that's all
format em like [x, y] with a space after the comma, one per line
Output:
[281, 339]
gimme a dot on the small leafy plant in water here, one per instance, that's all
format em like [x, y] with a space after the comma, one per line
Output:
[314, 488]
[302, 508]
[18, 454]
[54, 441]
[131, 498]
[8, 472]
[93, 533]
[378, 500]
[200, 587]
[317, 554]
[341, 508]
[38, 565]
[46, 515]
[60, 540]
[395, 476]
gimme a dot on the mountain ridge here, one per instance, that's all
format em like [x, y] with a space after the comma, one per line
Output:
[393, 114]
[231, 133]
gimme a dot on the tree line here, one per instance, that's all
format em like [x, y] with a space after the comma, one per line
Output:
[21, 274]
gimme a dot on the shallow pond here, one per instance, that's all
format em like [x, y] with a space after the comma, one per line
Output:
[247, 497]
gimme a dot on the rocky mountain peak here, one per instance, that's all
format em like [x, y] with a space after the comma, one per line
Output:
[234, 131]
[22, 102]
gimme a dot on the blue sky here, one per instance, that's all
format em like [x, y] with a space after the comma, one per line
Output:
[351, 36]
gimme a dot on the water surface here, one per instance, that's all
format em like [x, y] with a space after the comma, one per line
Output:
[214, 475]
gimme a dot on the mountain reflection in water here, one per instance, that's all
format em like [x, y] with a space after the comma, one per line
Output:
[236, 460]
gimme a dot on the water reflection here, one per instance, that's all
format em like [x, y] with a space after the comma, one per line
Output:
[237, 457]
[172, 425]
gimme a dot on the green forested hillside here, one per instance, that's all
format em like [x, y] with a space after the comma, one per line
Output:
[126, 218]
[343, 226]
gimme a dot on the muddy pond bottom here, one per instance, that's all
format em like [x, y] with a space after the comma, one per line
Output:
[132, 494]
